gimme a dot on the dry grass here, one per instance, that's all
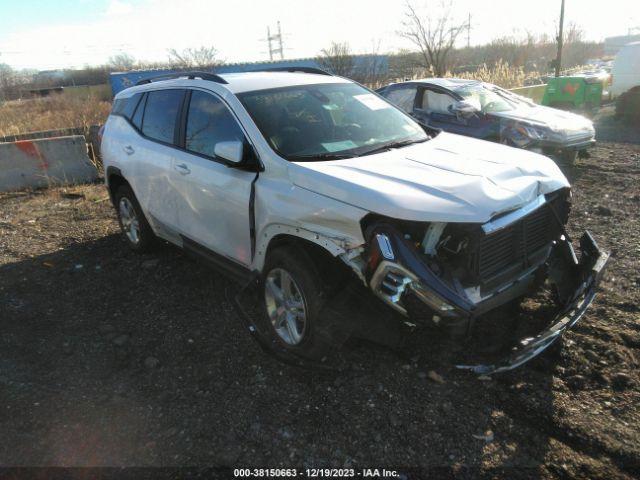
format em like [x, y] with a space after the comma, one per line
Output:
[51, 113]
[501, 74]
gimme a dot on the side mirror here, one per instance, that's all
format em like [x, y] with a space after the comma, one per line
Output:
[231, 151]
[463, 109]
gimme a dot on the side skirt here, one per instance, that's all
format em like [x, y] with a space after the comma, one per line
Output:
[224, 265]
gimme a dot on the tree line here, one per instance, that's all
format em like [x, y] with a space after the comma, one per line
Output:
[433, 33]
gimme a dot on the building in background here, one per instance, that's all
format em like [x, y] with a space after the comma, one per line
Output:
[613, 44]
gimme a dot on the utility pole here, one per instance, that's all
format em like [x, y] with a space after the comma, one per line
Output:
[277, 39]
[469, 31]
[560, 40]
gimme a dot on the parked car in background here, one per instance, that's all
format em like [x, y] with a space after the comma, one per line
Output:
[305, 182]
[625, 85]
[482, 110]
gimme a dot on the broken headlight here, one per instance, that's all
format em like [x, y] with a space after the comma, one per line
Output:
[522, 135]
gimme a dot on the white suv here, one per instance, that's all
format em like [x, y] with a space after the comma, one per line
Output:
[306, 180]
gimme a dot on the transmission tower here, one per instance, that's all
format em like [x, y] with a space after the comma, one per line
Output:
[275, 43]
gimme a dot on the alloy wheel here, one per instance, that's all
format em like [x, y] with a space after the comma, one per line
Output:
[285, 306]
[129, 220]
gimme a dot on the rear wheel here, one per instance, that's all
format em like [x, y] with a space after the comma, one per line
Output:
[134, 225]
[293, 298]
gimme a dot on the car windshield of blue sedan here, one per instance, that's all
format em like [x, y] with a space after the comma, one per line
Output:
[329, 121]
[490, 99]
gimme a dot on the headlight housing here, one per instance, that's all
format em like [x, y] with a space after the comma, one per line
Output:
[522, 134]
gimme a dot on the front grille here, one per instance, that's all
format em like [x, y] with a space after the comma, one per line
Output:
[515, 245]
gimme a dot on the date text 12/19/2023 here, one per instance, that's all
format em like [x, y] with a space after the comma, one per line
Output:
[315, 473]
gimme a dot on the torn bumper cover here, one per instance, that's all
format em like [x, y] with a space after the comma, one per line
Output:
[400, 275]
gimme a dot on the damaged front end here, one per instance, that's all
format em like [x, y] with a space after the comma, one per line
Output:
[451, 274]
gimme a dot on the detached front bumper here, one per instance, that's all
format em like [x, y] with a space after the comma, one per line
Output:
[587, 274]
[402, 275]
[522, 137]
[572, 146]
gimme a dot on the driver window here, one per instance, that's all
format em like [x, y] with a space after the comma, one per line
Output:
[435, 102]
[209, 122]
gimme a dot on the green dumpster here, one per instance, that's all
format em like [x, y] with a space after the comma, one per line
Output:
[577, 92]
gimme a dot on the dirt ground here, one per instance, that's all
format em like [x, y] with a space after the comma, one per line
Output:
[108, 358]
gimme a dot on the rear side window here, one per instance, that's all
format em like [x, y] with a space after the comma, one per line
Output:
[130, 107]
[403, 97]
[160, 114]
[209, 122]
[118, 106]
[137, 116]
[126, 106]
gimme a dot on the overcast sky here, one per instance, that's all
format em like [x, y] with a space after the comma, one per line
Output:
[49, 34]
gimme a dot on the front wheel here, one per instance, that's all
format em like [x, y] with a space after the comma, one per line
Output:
[568, 157]
[293, 299]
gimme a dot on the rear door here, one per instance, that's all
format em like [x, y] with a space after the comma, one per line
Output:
[153, 154]
[213, 198]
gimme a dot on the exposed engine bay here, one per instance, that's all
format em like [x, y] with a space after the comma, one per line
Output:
[447, 273]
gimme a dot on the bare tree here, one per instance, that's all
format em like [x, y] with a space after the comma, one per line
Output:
[338, 59]
[195, 57]
[434, 33]
[121, 62]
[7, 76]
[370, 70]
[576, 51]
[404, 65]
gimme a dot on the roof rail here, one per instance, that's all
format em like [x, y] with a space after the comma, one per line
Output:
[315, 70]
[190, 75]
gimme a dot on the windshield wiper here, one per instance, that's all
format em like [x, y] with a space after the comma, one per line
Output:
[395, 144]
[318, 157]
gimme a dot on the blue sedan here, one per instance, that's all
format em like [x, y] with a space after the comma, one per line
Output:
[482, 110]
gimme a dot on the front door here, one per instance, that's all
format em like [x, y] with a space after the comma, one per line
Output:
[213, 198]
[433, 108]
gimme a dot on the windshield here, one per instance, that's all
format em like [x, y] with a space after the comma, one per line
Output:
[489, 98]
[328, 121]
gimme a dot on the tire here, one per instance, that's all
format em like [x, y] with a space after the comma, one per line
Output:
[290, 276]
[568, 157]
[135, 228]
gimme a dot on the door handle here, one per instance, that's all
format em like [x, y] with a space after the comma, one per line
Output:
[129, 150]
[182, 169]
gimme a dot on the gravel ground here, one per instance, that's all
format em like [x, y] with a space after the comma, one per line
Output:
[108, 358]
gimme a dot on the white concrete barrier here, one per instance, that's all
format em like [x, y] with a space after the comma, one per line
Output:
[45, 162]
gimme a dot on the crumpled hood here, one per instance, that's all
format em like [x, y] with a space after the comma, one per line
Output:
[556, 120]
[447, 179]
